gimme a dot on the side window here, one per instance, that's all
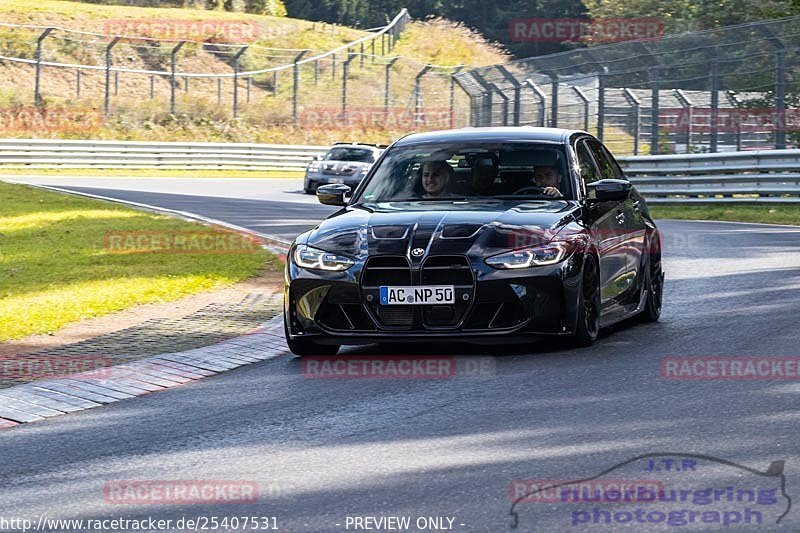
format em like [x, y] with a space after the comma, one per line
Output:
[586, 163]
[608, 167]
[617, 170]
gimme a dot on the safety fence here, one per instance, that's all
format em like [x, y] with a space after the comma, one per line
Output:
[727, 89]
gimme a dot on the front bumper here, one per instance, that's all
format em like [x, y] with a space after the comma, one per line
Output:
[341, 307]
[315, 179]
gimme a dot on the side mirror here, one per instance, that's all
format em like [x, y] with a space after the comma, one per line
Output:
[317, 158]
[333, 194]
[608, 190]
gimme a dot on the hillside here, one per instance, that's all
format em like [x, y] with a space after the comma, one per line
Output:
[265, 107]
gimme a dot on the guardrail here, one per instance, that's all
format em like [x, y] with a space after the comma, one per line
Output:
[764, 176]
[771, 176]
[45, 153]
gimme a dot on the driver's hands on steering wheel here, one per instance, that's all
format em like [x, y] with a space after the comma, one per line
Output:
[548, 191]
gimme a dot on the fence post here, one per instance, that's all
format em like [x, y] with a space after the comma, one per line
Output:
[487, 105]
[78, 83]
[37, 95]
[780, 98]
[333, 65]
[736, 104]
[153, 87]
[345, 72]
[219, 91]
[418, 93]
[361, 58]
[585, 101]
[714, 129]
[296, 83]
[472, 98]
[688, 106]
[372, 42]
[601, 105]
[505, 98]
[116, 82]
[236, 57]
[636, 104]
[247, 86]
[654, 110]
[316, 71]
[542, 101]
[107, 102]
[172, 65]
[387, 87]
[274, 83]
[456, 70]
[517, 92]
[553, 100]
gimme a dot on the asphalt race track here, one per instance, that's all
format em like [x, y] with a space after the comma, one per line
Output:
[323, 450]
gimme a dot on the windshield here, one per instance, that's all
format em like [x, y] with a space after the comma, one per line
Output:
[350, 154]
[468, 171]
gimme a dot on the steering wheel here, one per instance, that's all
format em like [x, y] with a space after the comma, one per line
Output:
[531, 188]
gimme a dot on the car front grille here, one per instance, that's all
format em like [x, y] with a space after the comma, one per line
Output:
[435, 270]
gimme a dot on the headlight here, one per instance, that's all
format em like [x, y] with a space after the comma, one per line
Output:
[548, 254]
[313, 166]
[312, 258]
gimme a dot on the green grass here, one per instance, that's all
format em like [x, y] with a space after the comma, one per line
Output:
[55, 267]
[146, 173]
[769, 214]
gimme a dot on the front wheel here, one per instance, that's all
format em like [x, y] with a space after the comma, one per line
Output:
[303, 347]
[588, 324]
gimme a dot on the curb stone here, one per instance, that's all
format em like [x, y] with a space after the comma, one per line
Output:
[39, 400]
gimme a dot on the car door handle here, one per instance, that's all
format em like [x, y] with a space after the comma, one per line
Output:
[620, 218]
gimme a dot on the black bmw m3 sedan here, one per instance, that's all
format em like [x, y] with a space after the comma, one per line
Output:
[487, 235]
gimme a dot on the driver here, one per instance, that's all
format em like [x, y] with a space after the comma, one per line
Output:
[548, 178]
[435, 176]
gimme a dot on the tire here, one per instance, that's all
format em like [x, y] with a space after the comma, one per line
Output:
[309, 188]
[587, 325]
[303, 347]
[654, 285]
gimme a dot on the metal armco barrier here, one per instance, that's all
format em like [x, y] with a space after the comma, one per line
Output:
[45, 153]
[755, 176]
[771, 176]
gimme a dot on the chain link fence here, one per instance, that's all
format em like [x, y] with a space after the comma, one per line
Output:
[733, 88]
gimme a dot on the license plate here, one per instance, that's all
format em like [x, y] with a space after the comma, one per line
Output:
[426, 295]
[335, 180]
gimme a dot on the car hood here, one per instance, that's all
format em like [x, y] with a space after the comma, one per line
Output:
[470, 228]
